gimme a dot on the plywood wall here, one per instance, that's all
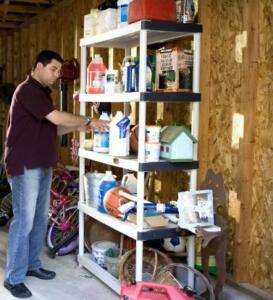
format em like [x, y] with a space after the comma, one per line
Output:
[236, 127]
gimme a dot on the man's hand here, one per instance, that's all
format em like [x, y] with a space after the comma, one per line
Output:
[100, 125]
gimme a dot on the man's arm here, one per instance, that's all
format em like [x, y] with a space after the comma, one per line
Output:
[67, 122]
[65, 119]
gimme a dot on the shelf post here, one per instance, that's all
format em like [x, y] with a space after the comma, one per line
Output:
[141, 151]
[195, 133]
[195, 105]
[82, 160]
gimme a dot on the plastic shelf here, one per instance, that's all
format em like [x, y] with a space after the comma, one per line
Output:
[131, 162]
[144, 96]
[129, 229]
[128, 36]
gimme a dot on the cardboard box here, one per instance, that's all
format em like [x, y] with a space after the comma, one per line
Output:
[167, 69]
[174, 69]
[150, 222]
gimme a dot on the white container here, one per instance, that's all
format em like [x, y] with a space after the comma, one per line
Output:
[92, 188]
[99, 249]
[90, 23]
[119, 140]
[129, 181]
[107, 20]
[111, 80]
[152, 151]
[152, 133]
[123, 12]
[112, 262]
[101, 138]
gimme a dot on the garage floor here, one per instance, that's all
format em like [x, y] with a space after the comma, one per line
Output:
[75, 283]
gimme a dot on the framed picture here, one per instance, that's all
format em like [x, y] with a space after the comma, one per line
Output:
[195, 209]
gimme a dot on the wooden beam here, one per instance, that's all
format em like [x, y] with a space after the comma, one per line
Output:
[247, 108]
[14, 17]
[205, 81]
[20, 8]
[8, 25]
[47, 2]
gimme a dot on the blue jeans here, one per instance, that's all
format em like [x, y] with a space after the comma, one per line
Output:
[30, 201]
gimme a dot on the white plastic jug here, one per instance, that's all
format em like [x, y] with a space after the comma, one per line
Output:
[101, 138]
[129, 181]
[119, 140]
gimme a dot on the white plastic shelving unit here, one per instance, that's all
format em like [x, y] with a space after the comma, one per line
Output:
[140, 34]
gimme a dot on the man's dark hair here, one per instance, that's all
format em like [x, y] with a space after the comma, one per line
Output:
[45, 57]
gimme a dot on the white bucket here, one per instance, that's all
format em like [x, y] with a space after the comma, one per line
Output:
[152, 133]
[112, 262]
[152, 151]
[99, 249]
[91, 188]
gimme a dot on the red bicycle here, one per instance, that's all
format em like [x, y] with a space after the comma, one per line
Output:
[62, 236]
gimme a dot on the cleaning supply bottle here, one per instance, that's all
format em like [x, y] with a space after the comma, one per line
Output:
[119, 135]
[101, 138]
[107, 182]
[149, 87]
[96, 76]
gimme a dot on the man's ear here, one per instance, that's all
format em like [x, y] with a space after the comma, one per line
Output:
[39, 65]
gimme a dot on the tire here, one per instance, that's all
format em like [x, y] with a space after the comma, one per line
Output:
[58, 232]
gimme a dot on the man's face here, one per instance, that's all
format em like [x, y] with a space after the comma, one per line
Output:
[49, 73]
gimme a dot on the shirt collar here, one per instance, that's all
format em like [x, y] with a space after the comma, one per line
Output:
[31, 80]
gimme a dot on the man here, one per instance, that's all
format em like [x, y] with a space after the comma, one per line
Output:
[30, 154]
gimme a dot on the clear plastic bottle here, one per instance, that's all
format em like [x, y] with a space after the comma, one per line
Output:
[101, 138]
[96, 76]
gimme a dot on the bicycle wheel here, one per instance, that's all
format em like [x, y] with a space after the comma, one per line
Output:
[63, 223]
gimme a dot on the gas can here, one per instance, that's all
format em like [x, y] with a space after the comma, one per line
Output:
[152, 291]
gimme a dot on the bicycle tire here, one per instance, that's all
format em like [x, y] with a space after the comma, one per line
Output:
[56, 233]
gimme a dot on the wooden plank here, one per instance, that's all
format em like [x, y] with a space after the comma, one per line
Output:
[46, 2]
[9, 61]
[14, 17]
[247, 107]
[20, 8]
[203, 141]
[16, 57]
[8, 25]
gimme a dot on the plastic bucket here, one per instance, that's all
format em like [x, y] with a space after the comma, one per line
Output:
[91, 188]
[152, 151]
[112, 259]
[99, 249]
[152, 133]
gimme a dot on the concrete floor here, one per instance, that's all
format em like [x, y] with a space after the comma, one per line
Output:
[75, 283]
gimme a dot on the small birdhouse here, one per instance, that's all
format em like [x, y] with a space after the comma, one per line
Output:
[177, 143]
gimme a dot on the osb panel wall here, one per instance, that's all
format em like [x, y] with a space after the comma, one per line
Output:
[261, 249]
[236, 125]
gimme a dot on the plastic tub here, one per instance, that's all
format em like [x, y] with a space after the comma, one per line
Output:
[99, 249]
[112, 259]
[91, 188]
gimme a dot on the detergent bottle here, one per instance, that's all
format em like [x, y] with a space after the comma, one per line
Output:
[149, 75]
[96, 76]
[101, 138]
[107, 182]
[119, 135]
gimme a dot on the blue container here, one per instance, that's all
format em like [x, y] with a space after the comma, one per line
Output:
[107, 182]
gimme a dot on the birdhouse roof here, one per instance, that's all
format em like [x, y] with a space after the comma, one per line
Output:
[171, 132]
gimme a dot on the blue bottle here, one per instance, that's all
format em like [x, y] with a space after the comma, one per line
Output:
[149, 87]
[107, 182]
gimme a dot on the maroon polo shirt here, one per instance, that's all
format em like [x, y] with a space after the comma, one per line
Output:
[31, 139]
